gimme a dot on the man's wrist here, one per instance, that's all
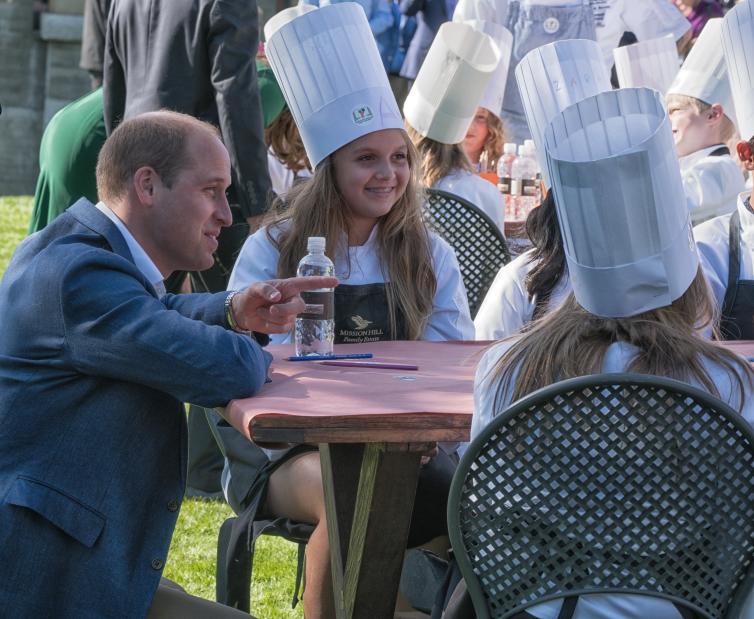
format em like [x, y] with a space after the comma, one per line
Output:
[230, 317]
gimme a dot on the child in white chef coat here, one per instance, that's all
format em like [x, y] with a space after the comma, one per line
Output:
[700, 106]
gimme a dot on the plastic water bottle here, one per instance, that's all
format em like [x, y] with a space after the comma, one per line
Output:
[504, 166]
[315, 328]
[532, 149]
[523, 183]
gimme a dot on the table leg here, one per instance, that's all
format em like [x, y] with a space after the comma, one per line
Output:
[369, 496]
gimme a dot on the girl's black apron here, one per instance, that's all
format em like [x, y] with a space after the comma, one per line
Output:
[361, 315]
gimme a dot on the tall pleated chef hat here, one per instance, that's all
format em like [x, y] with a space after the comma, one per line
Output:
[647, 64]
[737, 37]
[554, 76]
[329, 69]
[451, 81]
[620, 201]
[492, 99]
[703, 74]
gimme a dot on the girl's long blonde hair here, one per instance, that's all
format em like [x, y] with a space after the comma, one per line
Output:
[438, 159]
[570, 342]
[315, 207]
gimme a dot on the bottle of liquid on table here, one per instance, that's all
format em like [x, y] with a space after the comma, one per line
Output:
[504, 165]
[315, 328]
[523, 183]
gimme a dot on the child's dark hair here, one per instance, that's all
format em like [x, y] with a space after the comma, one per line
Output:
[548, 257]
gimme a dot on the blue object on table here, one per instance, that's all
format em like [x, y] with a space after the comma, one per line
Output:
[356, 355]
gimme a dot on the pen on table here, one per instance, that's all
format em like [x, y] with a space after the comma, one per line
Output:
[372, 364]
[355, 355]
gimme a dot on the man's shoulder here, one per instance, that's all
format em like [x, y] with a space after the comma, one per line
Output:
[65, 246]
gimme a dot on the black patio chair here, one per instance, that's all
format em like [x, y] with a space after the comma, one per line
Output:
[615, 483]
[479, 245]
[235, 559]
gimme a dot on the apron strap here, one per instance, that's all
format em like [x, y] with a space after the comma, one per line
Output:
[734, 264]
[719, 152]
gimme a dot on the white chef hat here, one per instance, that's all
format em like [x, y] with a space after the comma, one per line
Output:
[737, 37]
[284, 16]
[620, 201]
[444, 98]
[329, 69]
[492, 99]
[483, 10]
[703, 74]
[647, 64]
[552, 77]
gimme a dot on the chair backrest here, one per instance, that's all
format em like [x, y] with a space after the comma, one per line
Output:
[479, 245]
[605, 484]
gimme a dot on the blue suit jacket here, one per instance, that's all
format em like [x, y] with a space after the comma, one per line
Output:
[93, 372]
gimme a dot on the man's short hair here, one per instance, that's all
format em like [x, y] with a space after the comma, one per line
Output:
[158, 140]
[727, 126]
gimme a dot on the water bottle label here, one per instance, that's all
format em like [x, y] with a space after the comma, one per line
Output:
[516, 187]
[505, 184]
[319, 305]
[529, 188]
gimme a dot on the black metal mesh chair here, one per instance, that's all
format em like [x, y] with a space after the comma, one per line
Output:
[479, 245]
[606, 484]
[235, 559]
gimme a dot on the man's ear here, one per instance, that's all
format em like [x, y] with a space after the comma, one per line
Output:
[715, 112]
[746, 154]
[144, 183]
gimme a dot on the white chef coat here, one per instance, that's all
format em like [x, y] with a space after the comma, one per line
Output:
[507, 307]
[711, 184]
[617, 359]
[450, 319]
[282, 177]
[481, 193]
[712, 242]
[647, 19]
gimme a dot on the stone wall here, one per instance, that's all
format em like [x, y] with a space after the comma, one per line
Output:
[39, 74]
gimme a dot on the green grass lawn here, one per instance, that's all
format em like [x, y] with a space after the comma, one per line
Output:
[191, 561]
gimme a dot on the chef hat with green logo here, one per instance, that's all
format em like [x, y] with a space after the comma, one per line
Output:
[329, 69]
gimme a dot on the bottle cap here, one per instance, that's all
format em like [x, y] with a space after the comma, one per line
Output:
[316, 244]
[509, 148]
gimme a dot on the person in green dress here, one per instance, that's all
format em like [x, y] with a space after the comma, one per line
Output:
[68, 158]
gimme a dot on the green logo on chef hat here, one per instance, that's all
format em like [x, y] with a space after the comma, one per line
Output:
[362, 114]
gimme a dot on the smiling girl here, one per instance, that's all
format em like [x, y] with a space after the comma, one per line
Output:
[397, 279]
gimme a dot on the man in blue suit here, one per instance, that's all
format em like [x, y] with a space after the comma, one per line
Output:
[95, 362]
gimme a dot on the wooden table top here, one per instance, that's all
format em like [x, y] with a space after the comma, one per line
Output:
[311, 402]
[308, 402]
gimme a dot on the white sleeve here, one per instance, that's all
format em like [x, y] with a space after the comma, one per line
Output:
[450, 319]
[712, 187]
[652, 19]
[712, 243]
[506, 307]
[484, 393]
[257, 262]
